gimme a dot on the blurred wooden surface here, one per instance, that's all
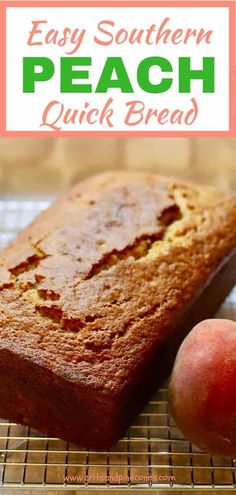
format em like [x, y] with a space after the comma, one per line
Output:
[46, 164]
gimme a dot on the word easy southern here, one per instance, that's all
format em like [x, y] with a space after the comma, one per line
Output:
[109, 32]
[56, 116]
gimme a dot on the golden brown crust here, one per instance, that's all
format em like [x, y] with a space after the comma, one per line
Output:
[114, 255]
[96, 282]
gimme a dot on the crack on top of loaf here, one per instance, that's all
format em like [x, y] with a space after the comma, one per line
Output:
[137, 250]
[48, 294]
[29, 263]
[26, 265]
[142, 245]
[179, 231]
[49, 309]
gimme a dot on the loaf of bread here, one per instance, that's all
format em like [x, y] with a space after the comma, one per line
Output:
[97, 294]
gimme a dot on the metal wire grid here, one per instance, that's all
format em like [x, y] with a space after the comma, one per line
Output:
[152, 455]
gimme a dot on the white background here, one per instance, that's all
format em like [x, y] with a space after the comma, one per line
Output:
[24, 111]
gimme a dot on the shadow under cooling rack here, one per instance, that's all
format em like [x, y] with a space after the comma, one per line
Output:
[153, 455]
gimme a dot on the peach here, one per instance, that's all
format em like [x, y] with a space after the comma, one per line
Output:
[202, 390]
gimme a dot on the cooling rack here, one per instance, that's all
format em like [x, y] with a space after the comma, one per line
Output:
[153, 454]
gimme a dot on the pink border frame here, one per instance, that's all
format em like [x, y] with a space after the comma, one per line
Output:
[119, 3]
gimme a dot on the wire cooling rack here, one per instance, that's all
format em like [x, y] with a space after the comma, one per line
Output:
[153, 454]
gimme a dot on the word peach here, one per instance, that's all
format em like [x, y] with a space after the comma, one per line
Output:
[74, 74]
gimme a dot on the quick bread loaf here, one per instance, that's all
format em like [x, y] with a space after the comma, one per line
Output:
[97, 294]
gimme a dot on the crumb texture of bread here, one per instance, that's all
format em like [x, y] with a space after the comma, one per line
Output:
[92, 287]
